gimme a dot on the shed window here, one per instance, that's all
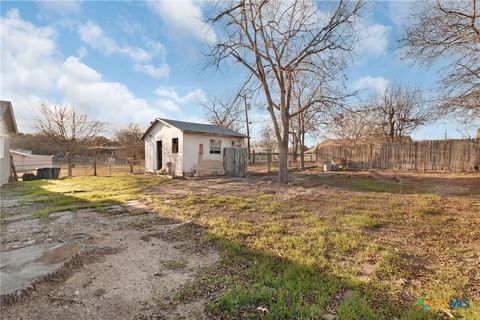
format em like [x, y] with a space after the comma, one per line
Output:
[174, 145]
[215, 146]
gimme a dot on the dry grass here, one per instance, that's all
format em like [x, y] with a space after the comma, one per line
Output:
[293, 250]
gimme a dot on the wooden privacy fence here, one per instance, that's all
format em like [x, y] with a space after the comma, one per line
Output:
[454, 155]
[235, 162]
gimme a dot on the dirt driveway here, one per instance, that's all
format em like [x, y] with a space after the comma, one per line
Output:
[129, 265]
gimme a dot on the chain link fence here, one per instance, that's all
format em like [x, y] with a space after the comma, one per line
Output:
[87, 168]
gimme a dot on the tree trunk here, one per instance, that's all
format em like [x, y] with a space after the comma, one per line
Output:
[295, 147]
[282, 162]
[70, 167]
[95, 164]
[131, 165]
[269, 160]
[302, 150]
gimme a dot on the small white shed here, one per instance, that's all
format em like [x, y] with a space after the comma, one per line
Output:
[24, 161]
[186, 148]
[8, 126]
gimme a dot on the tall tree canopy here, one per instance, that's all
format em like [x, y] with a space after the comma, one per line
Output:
[278, 43]
[449, 29]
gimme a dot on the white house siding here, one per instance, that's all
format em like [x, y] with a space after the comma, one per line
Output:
[165, 133]
[4, 154]
[191, 142]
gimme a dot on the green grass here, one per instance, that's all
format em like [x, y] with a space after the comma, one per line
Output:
[274, 244]
[177, 264]
[376, 185]
[356, 307]
[287, 290]
[361, 221]
[80, 192]
[364, 184]
[293, 257]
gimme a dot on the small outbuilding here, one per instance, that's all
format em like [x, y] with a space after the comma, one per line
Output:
[26, 161]
[186, 148]
[8, 127]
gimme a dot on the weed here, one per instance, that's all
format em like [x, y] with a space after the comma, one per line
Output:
[174, 264]
[361, 221]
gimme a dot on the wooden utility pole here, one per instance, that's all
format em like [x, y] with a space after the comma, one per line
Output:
[248, 126]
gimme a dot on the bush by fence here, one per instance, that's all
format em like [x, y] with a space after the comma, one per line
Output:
[448, 155]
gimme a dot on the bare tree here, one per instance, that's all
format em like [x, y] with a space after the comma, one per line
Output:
[130, 137]
[354, 128]
[268, 140]
[278, 42]
[225, 112]
[449, 29]
[316, 98]
[69, 128]
[399, 110]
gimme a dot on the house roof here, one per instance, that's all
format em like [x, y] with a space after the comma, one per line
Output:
[191, 127]
[6, 114]
[23, 154]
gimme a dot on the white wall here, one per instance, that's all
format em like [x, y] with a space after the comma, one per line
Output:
[165, 133]
[191, 142]
[31, 162]
[4, 154]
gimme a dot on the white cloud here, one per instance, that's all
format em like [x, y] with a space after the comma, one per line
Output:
[84, 87]
[34, 72]
[62, 7]
[172, 101]
[170, 93]
[93, 35]
[160, 72]
[373, 39]
[28, 56]
[184, 17]
[399, 11]
[377, 84]
[82, 52]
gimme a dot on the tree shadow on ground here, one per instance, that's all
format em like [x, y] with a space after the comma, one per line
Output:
[249, 283]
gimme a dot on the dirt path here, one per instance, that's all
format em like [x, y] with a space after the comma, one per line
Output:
[129, 267]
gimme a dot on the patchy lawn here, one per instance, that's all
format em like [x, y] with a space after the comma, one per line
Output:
[42, 197]
[295, 250]
[356, 245]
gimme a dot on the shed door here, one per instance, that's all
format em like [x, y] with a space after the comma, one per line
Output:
[159, 155]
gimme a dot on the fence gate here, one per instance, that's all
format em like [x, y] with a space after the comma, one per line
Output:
[235, 162]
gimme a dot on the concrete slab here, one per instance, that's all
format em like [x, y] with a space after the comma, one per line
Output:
[87, 213]
[20, 268]
[61, 217]
[17, 217]
[8, 203]
[114, 209]
[24, 224]
[135, 206]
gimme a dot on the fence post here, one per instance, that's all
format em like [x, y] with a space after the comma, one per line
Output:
[269, 160]
[253, 157]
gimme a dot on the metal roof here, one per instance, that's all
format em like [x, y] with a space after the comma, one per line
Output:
[190, 127]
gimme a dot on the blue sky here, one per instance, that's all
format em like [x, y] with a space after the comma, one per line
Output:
[133, 61]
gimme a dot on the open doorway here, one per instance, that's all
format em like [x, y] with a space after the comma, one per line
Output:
[159, 155]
